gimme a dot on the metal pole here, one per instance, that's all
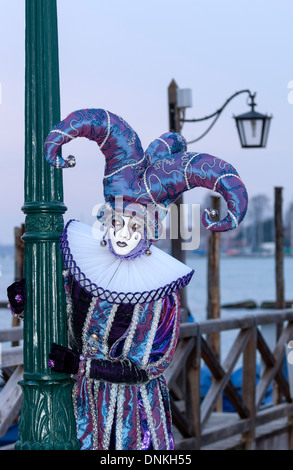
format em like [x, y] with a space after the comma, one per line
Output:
[176, 215]
[47, 418]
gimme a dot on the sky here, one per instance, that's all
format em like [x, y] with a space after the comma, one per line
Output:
[122, 56]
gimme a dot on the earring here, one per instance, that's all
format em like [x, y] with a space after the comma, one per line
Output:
[148, 251]
[104, 242]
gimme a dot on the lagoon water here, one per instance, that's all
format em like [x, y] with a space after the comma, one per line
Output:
[241, 278]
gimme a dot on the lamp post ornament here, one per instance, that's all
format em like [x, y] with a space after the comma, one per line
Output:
[123, 311]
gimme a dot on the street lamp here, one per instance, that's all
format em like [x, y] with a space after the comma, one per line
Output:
[253, 131]
[253, 127]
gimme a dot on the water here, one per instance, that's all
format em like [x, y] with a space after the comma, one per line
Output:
[241, 279]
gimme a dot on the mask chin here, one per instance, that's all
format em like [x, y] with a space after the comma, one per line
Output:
[122, 246]
[139, 250]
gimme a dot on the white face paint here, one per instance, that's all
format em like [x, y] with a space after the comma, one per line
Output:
[125, 234]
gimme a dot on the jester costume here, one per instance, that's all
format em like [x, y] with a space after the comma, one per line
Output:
[124, 311]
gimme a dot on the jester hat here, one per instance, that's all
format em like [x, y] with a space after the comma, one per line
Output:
[153, 179]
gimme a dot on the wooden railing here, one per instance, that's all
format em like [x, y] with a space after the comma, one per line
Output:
[193, 414]
[12, 367]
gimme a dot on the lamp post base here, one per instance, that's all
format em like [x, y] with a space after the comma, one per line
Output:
[47, 420]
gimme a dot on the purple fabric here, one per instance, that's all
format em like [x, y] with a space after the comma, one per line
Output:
[119, 372]
[185, 171]
[156, 177]
[121, 322]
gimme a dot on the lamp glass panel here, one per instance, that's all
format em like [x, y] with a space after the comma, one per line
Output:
[251, 132]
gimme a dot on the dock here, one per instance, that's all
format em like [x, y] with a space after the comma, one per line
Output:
[199, 422]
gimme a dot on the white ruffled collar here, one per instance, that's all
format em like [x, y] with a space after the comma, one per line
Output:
[138, 280]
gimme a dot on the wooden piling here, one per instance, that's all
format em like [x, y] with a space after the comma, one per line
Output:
[18, 265]
[279, 249]
[213, 273]
[213, 307]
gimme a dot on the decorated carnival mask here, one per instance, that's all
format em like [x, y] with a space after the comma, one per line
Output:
[125, 234]
[149, 181]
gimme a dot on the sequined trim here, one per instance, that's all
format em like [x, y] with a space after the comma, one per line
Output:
[89, 385]
[125, 166]
[224, 176]
[86, 326]
[233, 217]
[185, 170]
[62, 133]
[138, 425]
[171, 345]
[110, 417]
[74, 400]
[134, 321]
[108, 328]
[152, 334]
[161, 206]
[166, 143]
[88, 368]
[108, 130]
[149, 416]
[119, 418]
[163, 418]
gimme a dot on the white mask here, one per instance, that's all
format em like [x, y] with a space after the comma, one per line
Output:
[125, 234]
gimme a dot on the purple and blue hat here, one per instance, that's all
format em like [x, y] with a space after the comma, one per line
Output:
[149, 180]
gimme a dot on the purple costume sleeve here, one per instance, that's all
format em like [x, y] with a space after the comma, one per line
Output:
[166, 338]
[118, 371]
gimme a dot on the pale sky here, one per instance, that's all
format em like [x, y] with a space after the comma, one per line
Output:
[122, 56]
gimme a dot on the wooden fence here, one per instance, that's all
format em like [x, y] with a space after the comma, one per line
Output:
[194, 417]
[196, 423]
[12, 366]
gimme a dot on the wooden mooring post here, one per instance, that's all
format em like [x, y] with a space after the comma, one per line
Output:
[213, 286]
[18, 264]
[213, 277]
[279, 249]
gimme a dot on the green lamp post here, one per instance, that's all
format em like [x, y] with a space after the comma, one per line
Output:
[47, 418]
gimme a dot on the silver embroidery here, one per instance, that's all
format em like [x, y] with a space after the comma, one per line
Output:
[149, 416]
[62, 133]
[93, 414]
[110, 417]
[224, 176]
[108, 328]
[152, 333]
[185, 170]
[86, 326]
[163, 418]
[119, 418]
[159, 362]
[136, 311]
[166, 143]
[108, 131]
[88, 368]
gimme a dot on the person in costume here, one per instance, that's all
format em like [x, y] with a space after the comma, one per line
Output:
[122, 291]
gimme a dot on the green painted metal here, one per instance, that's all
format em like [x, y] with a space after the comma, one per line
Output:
[47, 419]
